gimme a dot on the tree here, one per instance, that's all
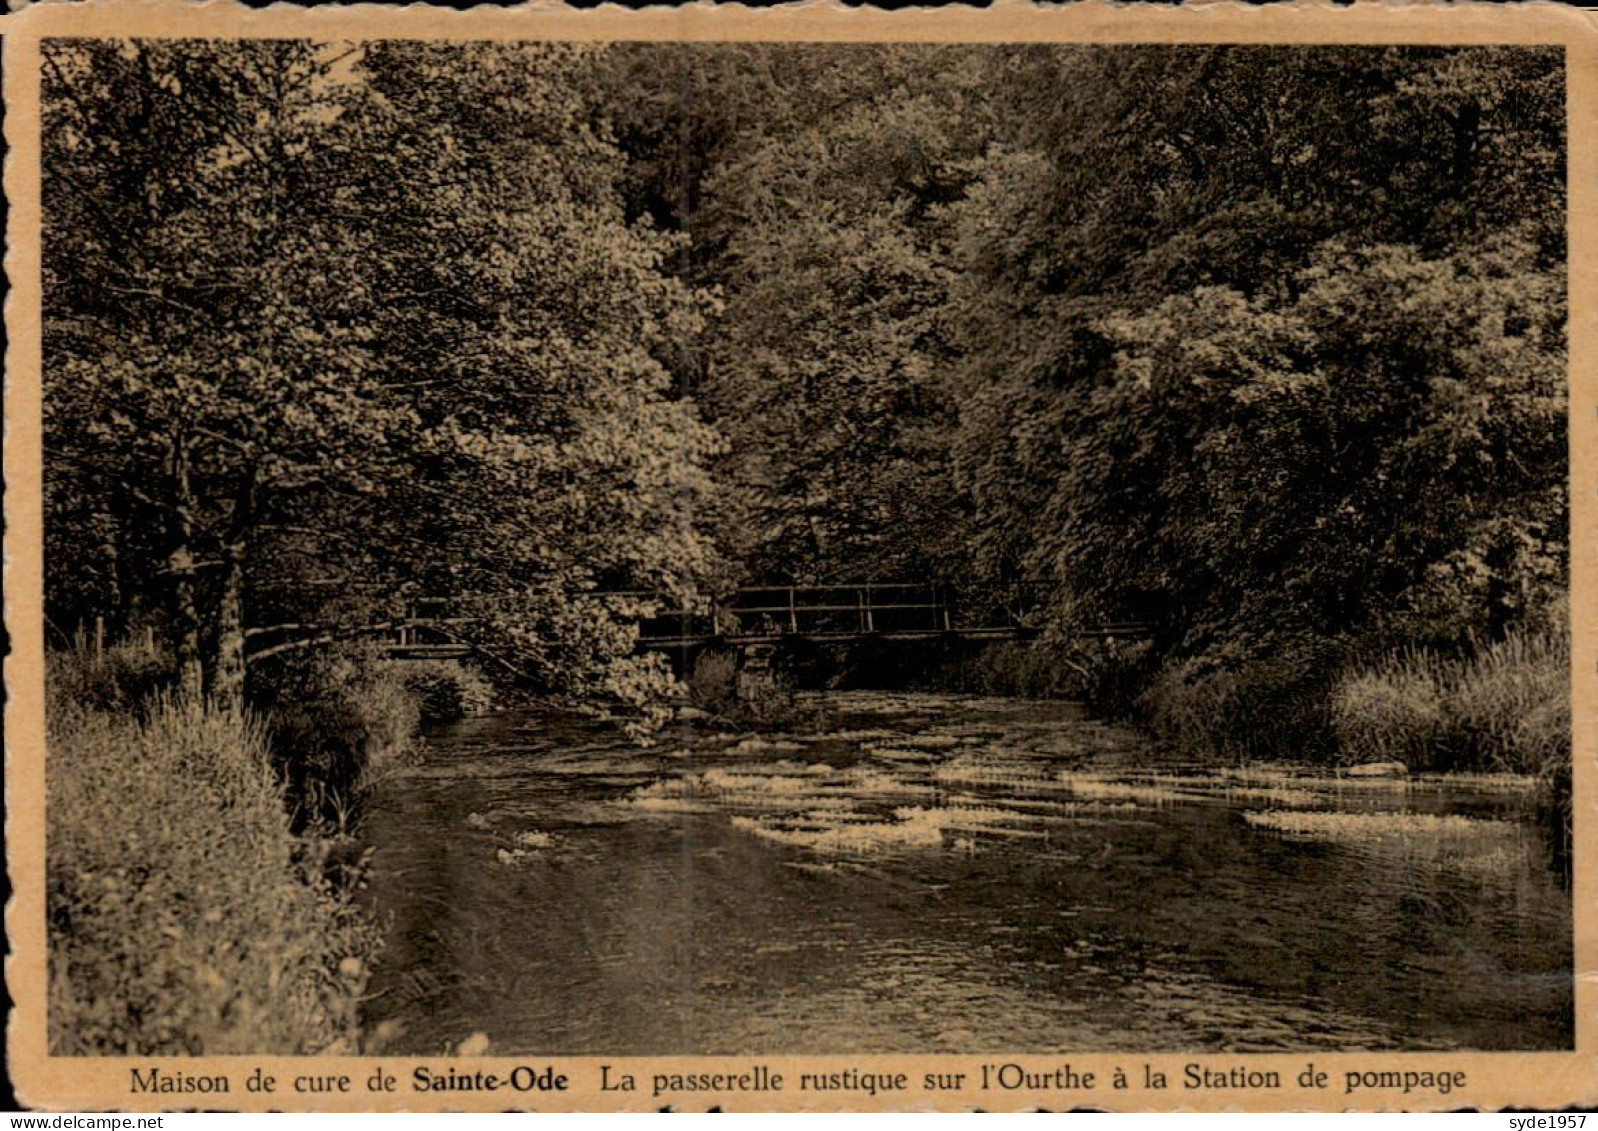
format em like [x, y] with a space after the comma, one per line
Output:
[550, 407]
[827, 366]
[203, 345]
[1351, 462]
[388, 323]
[1213, 341]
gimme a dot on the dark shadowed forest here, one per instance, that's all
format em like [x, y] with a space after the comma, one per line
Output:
[1261, 348]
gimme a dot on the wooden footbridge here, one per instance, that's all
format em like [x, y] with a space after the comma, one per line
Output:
[782, 614]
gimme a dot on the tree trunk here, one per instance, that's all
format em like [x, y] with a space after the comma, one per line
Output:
[227, 679]
[116, 609]
[227, 673]
[180, 562]
[1501, 590]
[1466, 123]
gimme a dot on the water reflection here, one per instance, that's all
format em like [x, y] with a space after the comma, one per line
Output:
[946, 873]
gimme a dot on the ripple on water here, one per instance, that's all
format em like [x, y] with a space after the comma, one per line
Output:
[946, 872]
[1098, 788]
[1373, 828]
[911, 828]
[1491, 852]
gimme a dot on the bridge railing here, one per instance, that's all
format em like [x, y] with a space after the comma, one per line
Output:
[827, 611]
[830, 610]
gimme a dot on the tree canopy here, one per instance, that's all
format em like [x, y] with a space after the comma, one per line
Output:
[329, 327]
[1257, 342]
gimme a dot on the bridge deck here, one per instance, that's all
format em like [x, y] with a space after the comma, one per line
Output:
[661, 643]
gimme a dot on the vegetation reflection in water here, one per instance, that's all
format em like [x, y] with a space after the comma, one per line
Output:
[948, 873]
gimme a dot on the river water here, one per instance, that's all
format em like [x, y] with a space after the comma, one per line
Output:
[943, 873]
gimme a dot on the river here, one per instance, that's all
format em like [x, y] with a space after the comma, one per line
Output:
[947, 873]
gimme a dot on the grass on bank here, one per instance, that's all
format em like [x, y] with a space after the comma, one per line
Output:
[122, 677]
[1503, 708]
[1500, 708]
[183, 917]
[200, 864]
[340, 721]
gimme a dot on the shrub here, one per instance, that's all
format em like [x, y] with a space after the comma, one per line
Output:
[715, 687]
[1263, 707]
[339, 721]
[1118, 672]
[181, 920]
[772, 704]
[713, 683]
[1029, 670]
[123, 677]
[445, 690]
[1107, 674]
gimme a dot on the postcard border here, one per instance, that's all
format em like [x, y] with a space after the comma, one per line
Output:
[1538, 1080]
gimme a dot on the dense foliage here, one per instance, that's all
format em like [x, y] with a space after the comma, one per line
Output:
[1262, 366]
[328, 328]
[185, 917]
[1262, 345]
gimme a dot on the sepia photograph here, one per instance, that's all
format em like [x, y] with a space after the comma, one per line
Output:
[645, 548]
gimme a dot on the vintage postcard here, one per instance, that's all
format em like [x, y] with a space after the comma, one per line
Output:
[801, 559]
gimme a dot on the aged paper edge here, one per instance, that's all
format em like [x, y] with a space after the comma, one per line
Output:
[1494, 1080]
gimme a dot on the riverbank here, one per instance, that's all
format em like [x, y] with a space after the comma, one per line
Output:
[202, 863]
[1499, 708]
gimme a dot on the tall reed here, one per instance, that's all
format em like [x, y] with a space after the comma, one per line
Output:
[1502, 707]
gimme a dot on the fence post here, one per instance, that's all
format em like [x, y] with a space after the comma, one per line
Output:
[793, 611]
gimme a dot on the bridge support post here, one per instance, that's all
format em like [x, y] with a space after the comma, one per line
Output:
[757, 677]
